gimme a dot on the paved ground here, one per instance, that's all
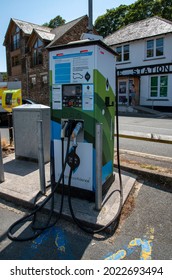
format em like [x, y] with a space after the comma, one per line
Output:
[22, 184]
[144, 232]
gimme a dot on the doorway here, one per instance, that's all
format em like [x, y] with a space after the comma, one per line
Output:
[124, 90]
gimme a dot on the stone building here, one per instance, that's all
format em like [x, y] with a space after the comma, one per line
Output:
[27, 56]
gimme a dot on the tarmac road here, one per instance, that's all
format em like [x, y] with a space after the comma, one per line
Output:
[143, 127]
[146, 125]
[144, 232]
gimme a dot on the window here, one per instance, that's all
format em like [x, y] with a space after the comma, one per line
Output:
[150, 48]
[126, 53]
[123, 94]
[37, 53]
[16, 39]
[159, 87]
[155, 48]
[44, 79]
[119, 51]
[159, 47]
[123, 53]
[15, 60]
[33, 80]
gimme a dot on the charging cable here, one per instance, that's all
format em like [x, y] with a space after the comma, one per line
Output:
[116, 218]
[26, 218]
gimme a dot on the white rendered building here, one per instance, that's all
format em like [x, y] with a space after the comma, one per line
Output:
[145, 60]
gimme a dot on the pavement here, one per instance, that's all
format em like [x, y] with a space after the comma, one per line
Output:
[155, 168]
[22, 183]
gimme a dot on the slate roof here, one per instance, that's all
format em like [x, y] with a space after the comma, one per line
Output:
[48, 36]
[46, 33]
[28, 27]
[150, 27]
[62, 29]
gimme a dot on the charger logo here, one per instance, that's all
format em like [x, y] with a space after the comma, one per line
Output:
[83, 51]
[77, 76]
[59, 54]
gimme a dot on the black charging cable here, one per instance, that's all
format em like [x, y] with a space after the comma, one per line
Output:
[48, 225]
[26, 218]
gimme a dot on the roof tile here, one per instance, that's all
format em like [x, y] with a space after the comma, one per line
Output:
[150, 27]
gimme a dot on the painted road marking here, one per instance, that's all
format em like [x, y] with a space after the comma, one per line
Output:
[144, 244]
[56, 234]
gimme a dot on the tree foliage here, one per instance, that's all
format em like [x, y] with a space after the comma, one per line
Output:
[53, 23]
[4, 77]
[123, 15]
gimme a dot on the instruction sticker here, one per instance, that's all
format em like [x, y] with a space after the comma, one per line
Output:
[73, 66]
[88, 97]
[57, 97]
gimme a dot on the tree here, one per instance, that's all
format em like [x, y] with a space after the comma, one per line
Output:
[4, 77]
[112, 20]
[123, 15]
[166, 6]
[140, 10]
[57, 21]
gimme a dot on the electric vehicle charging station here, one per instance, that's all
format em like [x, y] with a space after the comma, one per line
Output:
[82, 86]
[82, 100]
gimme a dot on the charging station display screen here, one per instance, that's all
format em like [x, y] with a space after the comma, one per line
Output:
[72, 95]
[72, 90]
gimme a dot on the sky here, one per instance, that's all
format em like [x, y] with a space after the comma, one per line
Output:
[41, 11]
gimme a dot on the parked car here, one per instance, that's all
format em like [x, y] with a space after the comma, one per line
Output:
[28, 101]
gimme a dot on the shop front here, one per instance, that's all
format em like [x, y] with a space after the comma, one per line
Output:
[150, 85]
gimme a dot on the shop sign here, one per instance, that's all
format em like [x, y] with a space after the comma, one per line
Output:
[146, 70]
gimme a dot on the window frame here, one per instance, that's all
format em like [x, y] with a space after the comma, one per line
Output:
[154, 48]
[15, 40]
[33, 81]
[45, 79]
[122, 53]
[15, 60]
[37, 57]
[159, 87]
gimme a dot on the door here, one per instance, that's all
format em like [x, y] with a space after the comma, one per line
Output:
[123, 92]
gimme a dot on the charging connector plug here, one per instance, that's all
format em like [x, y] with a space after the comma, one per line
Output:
[70, 127]
[63, 130]
[75, 132]
[77, 129]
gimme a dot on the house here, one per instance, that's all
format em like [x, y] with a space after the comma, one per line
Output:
[27, 56]
[145, 60]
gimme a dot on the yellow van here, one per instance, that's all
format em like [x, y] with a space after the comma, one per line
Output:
[1, 92]
[11, 98]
